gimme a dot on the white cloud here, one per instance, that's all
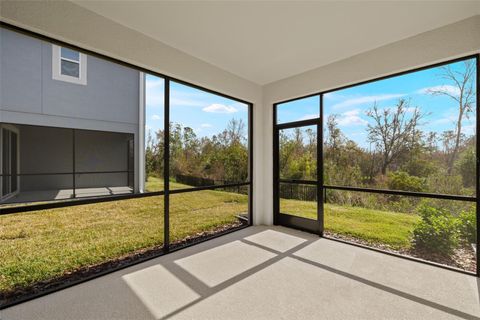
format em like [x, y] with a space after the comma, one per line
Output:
[351, 118]
[469, 129]
[154, 99]
[447, 117]
[206, 125]
[332, 96]
[156, 117]
[185, 102]
[366, 99]
[189, 98]
[446, 120]
[393, 109]
[154, 83]
[220, 108]
[452, 90]
[309, 116]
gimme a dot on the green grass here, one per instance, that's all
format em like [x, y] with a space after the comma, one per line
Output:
[157, 184]
[41, 245]
[374, 226]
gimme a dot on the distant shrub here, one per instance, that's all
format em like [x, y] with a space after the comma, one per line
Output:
[420, 167]
[402, 204]
[445, 183]
[454, 208]
[401, 180]
[436, 232]
[466, 165]
[467, 224]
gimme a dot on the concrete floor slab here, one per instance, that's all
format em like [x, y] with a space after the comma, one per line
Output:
[266, 273]
[63, 194]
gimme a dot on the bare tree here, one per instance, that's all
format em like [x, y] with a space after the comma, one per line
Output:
[393, 130]
[236, 131]
[463, 93]
[432, 138]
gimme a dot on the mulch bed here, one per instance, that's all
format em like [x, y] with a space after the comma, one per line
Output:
[89, 272]
[462, 258]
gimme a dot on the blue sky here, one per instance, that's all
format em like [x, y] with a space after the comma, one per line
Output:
[206, 113]
[350, 105]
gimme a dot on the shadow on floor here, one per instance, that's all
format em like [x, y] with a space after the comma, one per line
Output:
[266, 272]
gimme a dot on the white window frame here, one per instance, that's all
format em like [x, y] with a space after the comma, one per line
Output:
[57, 67]
[141, 136]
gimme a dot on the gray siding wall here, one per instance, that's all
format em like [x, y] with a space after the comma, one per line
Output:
[111, 93]
[29, 95]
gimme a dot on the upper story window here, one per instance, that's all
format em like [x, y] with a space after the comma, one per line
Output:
[69, 65]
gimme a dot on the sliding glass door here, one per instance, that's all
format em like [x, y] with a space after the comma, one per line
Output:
[9, 158]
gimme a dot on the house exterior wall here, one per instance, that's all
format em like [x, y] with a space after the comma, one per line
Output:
[29, 95]
[111, 93]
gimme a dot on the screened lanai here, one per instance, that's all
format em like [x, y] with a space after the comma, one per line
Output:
[239, 160]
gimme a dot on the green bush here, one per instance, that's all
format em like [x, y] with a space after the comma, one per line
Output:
[468, 225]
[401, 180]
[420, 167]
[466, 165]
[436, 232]
[442, 182]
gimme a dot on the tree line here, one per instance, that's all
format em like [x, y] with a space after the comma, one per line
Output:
[402, 156]
[221, 157]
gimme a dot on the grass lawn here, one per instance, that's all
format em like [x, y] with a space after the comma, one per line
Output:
[41, 245]
[374, 226]
[156, 184]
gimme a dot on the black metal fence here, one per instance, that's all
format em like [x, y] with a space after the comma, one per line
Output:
[298, 192]
[204, 182]
[195, 181]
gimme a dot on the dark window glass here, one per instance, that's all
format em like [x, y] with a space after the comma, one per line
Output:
[69, 68]
[70, 54]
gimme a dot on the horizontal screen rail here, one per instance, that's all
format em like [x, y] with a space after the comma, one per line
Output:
[299, 181]
[405, 193]
[300, 123]
[103, 198]
[77, 202]
[212, 187]
[64, 173]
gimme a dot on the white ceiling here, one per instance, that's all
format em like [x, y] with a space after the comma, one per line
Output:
[268, 41]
